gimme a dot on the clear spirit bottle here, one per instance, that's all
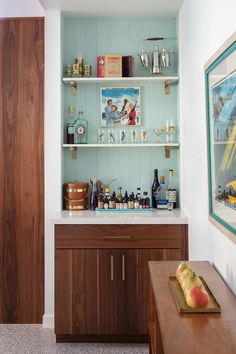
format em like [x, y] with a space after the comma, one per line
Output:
[81, 129]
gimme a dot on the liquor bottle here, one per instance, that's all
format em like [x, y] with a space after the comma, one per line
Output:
[155, 188]
[94, 195]
[171, 189]
[81, 129]
[120, 198]
[146, 201]
[107, 198]
[125, 201]
[136, 202]
[100, 201]
[131, 201]
[112, 201]
[162, 202]
[70, 126]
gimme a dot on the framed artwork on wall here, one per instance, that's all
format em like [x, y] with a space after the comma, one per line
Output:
[220, 77]
[120, 106]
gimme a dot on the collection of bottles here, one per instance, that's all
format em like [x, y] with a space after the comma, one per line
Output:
[106, 200]
[76, 128]
[163, 196]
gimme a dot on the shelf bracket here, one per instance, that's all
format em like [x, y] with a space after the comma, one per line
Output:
[167, 87]
[167, 152]
[74, 152]
[74, 88]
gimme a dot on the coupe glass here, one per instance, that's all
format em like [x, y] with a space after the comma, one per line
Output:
[159, 132]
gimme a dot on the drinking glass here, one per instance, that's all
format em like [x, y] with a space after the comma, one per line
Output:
[170, 129]
[158, 132]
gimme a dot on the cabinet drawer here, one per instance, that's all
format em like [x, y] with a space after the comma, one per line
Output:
[119, 236]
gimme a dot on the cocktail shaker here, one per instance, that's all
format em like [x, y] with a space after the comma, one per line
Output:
[165, 58]
[144, 58]
[156, 60]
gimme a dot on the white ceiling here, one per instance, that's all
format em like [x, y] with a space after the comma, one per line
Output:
[116, 8]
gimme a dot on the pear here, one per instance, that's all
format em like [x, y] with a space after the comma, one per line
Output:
[181, 267]
[192, 281]
[197, 297]
[184, 278]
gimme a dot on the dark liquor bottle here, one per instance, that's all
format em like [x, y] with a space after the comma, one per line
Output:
[94, 195]
[171, 189]
[112, 201]
[70, 126]
[100, 201]
[107, 198]
[125, 200]
[146, 200]
[155, 188]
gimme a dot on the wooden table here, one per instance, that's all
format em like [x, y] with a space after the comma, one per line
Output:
[172, 333]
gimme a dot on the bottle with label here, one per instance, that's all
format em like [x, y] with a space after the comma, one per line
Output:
[81, 129]
[100, 201]
[125, 200]
[146, 201]
[112, 201]
[162, 202]
[155, 188]
[171, 189]
[70, 126]
[120, 198]
[131, 201]
[107, 198]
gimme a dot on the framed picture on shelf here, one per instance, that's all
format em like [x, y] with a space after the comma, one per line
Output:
[220, 76]
[120, 106]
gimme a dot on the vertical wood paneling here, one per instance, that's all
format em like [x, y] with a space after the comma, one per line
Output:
[133, 167]
[21, 172]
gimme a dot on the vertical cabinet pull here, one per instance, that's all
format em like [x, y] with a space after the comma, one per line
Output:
[123, 267]
[112, 267]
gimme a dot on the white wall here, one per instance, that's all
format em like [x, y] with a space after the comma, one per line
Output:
[203, 26]
[21, 8]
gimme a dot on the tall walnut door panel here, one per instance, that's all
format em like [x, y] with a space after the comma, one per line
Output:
[21, 170]
[117, 295]
[76, 289]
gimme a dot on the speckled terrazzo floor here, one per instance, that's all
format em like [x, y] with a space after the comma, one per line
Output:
[33, 339]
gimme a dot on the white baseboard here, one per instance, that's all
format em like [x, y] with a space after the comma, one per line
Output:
[48, 321]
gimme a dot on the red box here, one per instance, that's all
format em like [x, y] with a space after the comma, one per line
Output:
[101, 66]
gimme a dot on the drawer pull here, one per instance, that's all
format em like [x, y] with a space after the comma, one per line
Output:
[118, 237]
[123, 267]
[112, 267]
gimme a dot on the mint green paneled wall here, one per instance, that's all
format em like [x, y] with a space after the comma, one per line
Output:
[132, 166]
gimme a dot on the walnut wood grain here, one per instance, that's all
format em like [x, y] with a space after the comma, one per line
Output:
[76, 292]
[21, 170]
[112, 236]
[193, 333]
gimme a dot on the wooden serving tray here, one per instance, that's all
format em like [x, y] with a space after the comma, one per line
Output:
[212, 307]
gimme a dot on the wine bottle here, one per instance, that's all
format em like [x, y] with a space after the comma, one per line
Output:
[171, 189]
[70, 126]
[94, 195]
[155, 188]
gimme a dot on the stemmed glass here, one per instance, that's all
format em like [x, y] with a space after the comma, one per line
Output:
[158, 132]
[170, 129]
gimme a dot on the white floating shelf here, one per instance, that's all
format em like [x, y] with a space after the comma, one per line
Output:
[104, 80]
[224, 142]
[121, 145]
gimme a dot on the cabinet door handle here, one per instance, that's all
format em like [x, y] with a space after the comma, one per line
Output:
[118, 237]
[123, 267]
[112, 267]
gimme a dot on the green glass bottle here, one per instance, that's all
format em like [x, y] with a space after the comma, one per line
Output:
[81, 129]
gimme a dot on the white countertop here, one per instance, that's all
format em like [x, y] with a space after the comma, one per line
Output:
[175, 216]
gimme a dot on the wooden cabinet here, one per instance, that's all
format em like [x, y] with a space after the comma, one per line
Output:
[101, 275]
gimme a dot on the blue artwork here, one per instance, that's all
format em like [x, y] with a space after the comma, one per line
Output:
[120, 106]
[224, 100]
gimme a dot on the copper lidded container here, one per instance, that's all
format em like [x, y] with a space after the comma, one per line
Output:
[75, 195]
